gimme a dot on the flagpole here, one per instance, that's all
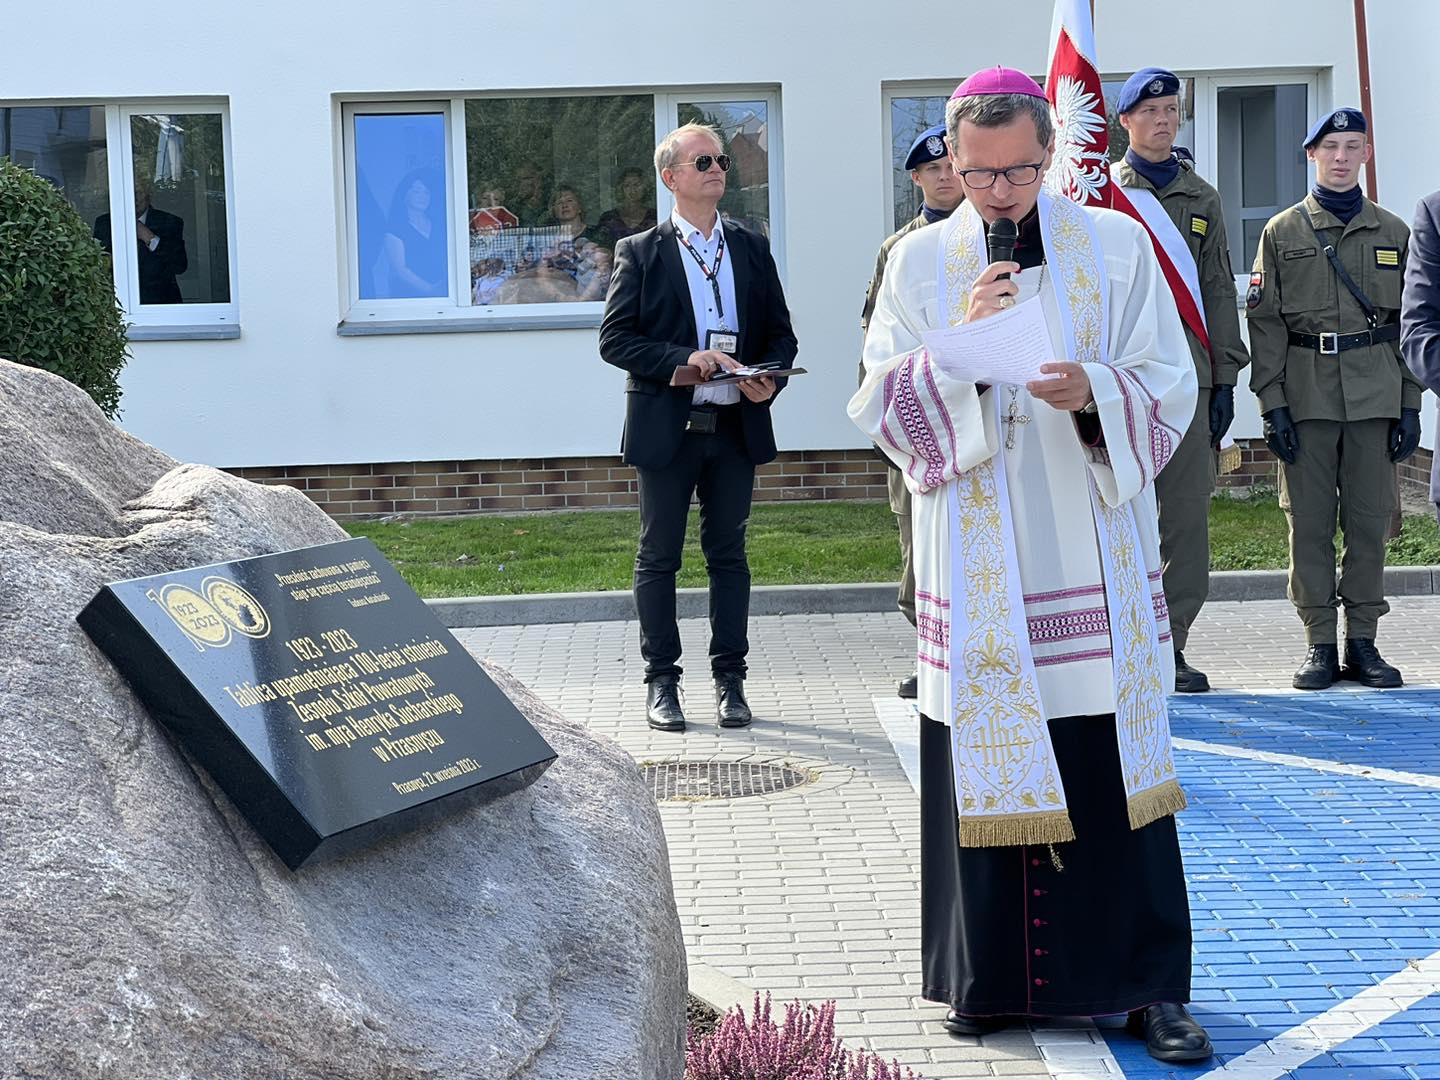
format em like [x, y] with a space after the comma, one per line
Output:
[1362, 56]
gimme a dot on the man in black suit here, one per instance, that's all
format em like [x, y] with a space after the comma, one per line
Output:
[160, 247]
[695, 292]
[1420, 309]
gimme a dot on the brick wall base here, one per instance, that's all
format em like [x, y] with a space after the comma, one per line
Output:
[513, 485]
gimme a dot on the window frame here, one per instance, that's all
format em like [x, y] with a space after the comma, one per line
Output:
[458, 312]
[165, 321]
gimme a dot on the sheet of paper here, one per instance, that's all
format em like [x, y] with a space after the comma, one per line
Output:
[1004, 348]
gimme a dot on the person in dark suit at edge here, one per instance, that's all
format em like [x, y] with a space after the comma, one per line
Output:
[1420, 310]
[700, 292]
[160, 247]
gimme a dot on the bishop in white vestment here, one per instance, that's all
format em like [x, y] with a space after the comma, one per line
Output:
[1051, 875]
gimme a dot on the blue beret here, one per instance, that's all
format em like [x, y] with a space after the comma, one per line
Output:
[928, 147]
[1341, 121]
[1144, 84]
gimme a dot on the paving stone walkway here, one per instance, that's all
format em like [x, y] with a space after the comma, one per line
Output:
[1312, 843]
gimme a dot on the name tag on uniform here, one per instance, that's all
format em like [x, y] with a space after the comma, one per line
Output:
[1199, 225]
[726, 341]
[1388, 258]
[1303, 253]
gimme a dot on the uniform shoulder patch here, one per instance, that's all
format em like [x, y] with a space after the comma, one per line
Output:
[1387, 257]
[1199, 225]
[1256, 291]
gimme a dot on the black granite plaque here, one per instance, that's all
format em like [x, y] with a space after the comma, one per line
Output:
[319, 692]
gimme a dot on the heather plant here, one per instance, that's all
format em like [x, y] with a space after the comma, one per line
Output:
[803, 1047]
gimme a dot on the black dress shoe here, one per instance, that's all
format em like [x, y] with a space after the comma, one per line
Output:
[1187, 679]
[975, 1025]
[1320, 669]
[1170, 1033]
[909, 688]
[662, 703]
[731, 709]
[1365, 665]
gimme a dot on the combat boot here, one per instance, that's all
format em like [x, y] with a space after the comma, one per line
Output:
[1187, 679]
[1320, 669]
[1365, 665]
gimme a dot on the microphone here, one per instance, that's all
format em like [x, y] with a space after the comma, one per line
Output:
[1000, 242]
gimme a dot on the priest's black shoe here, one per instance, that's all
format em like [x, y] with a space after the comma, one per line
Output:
[1365, 665]
[975, 1025]
[908, 688]
[1170, 1033]
[1320, 669]
[1187, 679]
[662, 703]
[731, 709]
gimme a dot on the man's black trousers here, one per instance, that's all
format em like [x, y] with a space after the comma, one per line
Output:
[716, 467]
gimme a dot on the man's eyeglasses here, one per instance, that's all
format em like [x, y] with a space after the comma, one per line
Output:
[704, 161]
[1015, 176]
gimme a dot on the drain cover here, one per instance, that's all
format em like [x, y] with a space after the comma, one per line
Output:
[694, 780]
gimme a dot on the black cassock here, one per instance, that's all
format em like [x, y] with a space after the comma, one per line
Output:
[1003, 931]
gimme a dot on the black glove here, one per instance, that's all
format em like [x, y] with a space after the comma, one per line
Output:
[1222, 413]
[1404, 434]
[1280, 435]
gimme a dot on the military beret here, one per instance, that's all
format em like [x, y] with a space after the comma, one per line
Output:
[928, 147]
[1340, 122]
[1151, 82]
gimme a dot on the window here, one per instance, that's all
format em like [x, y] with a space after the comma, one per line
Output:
[503, 211]
[171, 257]
[554, 183]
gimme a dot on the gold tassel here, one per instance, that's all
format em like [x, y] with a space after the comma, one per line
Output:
[1154, 803]
[1012, 830]
[1230, 459]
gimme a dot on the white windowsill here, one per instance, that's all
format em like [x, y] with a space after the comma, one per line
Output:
[221, 331]
[470, 324]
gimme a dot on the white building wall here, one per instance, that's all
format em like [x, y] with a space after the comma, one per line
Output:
[291, 391]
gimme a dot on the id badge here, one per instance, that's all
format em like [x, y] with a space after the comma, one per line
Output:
[726, 341]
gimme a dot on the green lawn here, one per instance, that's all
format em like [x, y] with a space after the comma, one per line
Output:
[789, 544]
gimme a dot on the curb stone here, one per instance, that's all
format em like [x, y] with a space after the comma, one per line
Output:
[540, 608]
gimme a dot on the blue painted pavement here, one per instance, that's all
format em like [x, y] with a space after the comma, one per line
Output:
[1307, 887]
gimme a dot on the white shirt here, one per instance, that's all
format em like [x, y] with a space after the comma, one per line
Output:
[154, 241]
[702, 296]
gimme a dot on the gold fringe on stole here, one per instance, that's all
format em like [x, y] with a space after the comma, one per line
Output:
[1229, 459]
[1156, 802]
[1012, 830]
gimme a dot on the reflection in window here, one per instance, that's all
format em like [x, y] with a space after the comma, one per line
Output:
[1262, 167]
[744, 131]
[401, 209]
[65, 146]
[554, 183]
[909, 116]
[181, 221]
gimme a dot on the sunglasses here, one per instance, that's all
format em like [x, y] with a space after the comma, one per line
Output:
[704, 161]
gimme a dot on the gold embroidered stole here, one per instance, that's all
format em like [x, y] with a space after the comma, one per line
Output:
[1006, 781]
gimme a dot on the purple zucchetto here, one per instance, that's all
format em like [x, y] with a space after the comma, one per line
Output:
[998, 80]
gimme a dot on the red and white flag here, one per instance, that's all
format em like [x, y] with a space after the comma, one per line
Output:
[1081, 168]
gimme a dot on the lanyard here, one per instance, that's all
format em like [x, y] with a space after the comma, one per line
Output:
[711, 274]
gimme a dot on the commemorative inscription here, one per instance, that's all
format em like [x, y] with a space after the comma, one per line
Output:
[320, 693]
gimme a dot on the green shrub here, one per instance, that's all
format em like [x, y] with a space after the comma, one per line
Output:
[58, 309]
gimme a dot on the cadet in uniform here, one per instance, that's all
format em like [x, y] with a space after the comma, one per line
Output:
[1155, 171]
[1339, 404]
[929, 166]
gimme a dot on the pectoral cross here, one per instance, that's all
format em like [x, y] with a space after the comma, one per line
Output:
[1013, 416]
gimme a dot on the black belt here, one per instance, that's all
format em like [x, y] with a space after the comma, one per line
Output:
[707, 419]
[1330, 344]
